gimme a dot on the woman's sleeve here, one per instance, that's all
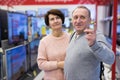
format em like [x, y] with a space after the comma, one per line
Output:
[42, 59]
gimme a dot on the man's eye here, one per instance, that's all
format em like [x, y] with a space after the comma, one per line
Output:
[75, 17]
[82, 17]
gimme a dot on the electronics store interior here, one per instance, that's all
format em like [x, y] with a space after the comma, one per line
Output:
[22, 27]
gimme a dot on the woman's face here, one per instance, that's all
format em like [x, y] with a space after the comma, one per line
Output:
[55, 22]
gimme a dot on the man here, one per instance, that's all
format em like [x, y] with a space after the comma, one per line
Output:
[86, 50]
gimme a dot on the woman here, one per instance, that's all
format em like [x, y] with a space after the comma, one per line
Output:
[52, 48]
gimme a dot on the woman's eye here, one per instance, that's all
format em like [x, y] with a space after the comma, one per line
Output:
[51, 19]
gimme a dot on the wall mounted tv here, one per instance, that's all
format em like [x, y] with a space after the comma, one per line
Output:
[17, 27]
[16, 63]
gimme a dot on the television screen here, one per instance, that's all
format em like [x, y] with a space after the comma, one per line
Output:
[34, 51]
[35, 27]
[17, 27]
[1, 69]
[16, 63]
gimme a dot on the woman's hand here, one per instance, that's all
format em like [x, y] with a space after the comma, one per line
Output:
[60, 64]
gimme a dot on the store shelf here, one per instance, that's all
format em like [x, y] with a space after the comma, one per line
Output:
[111, 18]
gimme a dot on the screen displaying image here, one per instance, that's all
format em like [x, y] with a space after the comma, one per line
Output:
[34, 51]
[16, 64]
[35, 27]
[17, 27]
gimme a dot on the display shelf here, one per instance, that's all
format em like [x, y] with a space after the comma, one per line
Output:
[111, 18]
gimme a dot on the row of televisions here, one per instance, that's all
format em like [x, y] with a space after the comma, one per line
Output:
[42, 11]
[14, 27]
[18, 60]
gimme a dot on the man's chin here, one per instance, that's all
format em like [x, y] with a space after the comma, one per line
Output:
[79, 29]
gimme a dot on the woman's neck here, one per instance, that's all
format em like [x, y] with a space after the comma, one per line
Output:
[57, 33]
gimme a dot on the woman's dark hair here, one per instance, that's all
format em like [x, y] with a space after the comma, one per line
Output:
[54, 12]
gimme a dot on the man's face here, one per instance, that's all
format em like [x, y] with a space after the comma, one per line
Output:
[80, 19]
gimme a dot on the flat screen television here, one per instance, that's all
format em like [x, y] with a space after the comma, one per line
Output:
[16, 63]
[1, 66]
[33, 52]
[17, 27]
[35, 27]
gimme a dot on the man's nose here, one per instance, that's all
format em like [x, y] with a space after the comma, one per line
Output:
[79, 19]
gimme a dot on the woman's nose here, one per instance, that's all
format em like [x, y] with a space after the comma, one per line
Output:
[55, 19]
